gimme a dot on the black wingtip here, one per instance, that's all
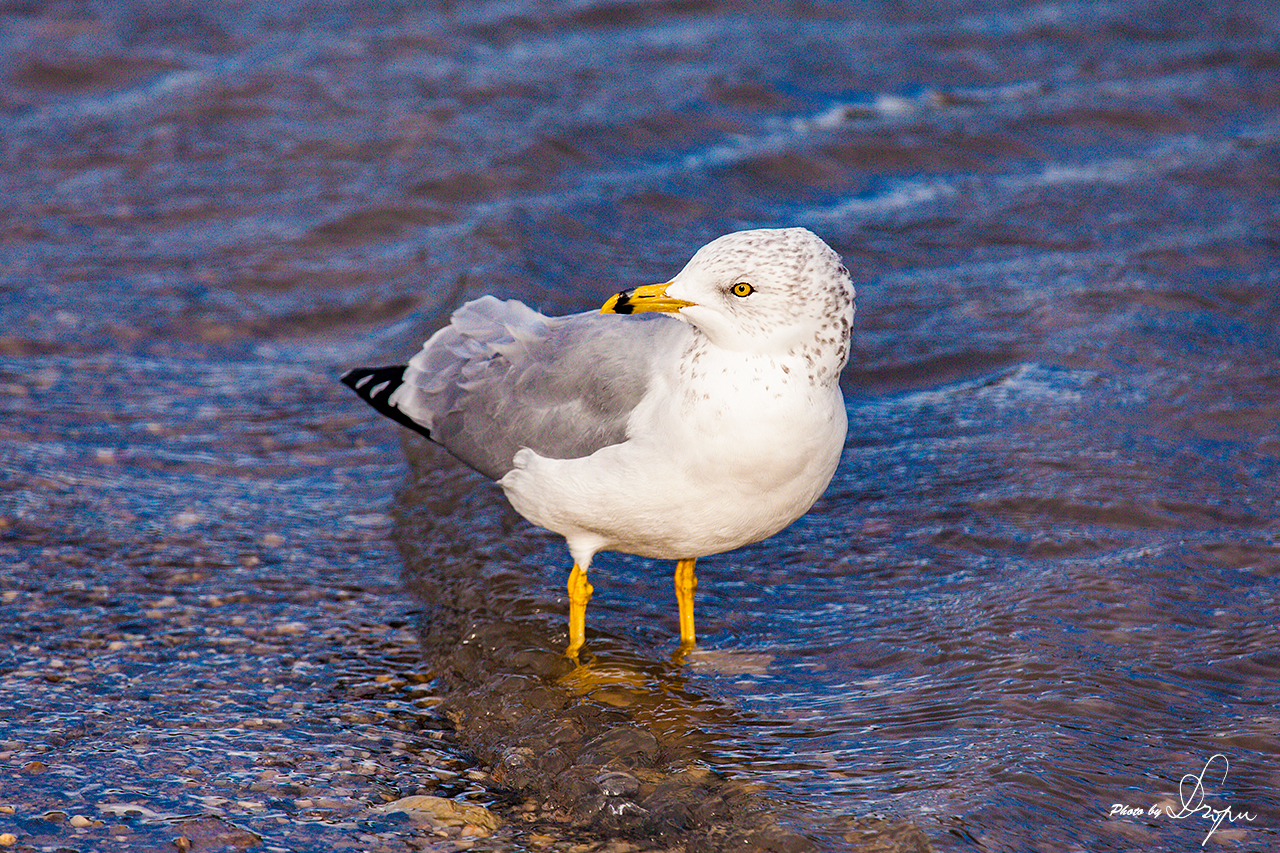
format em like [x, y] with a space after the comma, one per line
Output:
[375, 385]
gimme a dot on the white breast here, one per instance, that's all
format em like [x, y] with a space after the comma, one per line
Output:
[708, 471]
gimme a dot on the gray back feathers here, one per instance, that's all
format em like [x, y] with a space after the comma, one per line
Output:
[501, 377]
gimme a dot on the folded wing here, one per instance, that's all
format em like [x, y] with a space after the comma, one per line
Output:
[501, 377]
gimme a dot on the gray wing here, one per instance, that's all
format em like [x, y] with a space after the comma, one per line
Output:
[501, 377]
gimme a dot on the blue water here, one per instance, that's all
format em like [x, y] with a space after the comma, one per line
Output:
[1044, 579]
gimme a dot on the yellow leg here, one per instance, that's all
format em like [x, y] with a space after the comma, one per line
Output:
[686, 583]
[579, 595]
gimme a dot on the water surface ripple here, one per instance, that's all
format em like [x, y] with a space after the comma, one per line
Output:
[1043, 583]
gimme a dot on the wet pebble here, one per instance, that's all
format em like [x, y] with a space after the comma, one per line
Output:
[473, 820]
[632, 746]
[213, 833]
[617, 784]
[516, 768]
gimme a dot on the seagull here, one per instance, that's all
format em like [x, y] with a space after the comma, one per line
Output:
[683, 419]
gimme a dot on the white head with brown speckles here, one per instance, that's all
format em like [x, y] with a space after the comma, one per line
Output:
[770, 291]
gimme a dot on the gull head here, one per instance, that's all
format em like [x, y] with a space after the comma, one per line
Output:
[766, 291]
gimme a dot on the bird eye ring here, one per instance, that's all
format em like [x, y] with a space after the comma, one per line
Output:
[742, 289]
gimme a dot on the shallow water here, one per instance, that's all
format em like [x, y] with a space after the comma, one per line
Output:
[1043, 582]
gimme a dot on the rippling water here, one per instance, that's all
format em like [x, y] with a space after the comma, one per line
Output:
[1043, 582]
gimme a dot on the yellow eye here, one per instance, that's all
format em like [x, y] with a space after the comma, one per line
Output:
[742, 289]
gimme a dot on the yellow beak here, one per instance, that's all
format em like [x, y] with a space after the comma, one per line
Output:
[649, 297]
